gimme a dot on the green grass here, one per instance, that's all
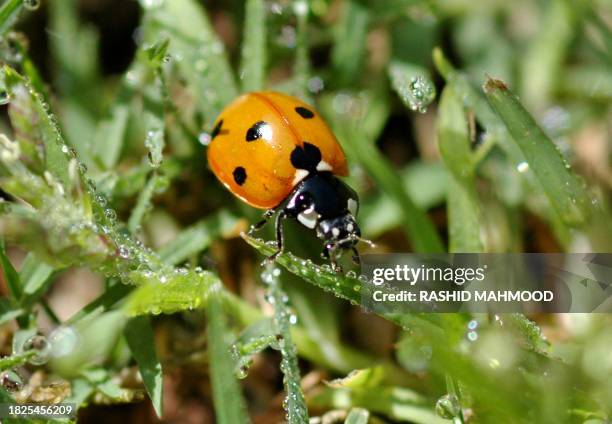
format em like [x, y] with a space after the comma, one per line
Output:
[96, 170]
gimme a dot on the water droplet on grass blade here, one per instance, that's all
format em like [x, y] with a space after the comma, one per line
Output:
[41, 347]
[5, 97]
[11, 381]
[31, 4]
[522, 167]
[63, 341]
[448, 406]
[151, 4]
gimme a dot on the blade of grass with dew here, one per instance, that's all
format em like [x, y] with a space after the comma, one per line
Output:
[141, 340]
[563, 188]
[26, 102]
[413, 85]
[106, 301]
[199, 54]
[397, 403]
[357, 416]
[343, 286]
[474, 100]
[454, 145]
[9, 12]
[349, 48]
[294, 404]
[496, 133]
[153, 114]
[254, 52]
[228, 400]
[199, 236]
[358, 141]
[344, 359]
[170, 292]
[143, 203]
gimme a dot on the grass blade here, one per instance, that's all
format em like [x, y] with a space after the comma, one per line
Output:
[229, 403]
[563, 188]
[9, 275]
[358, 140]
[9, 12]
[34, 125]
[198, 52]
[140, 338]
[143, 203]
[34, 274]
[349, 48]
[254, 52]
[462, 206]
[169, 292]
[198, 237]
[296, 411]
[357, 416]
[412, 84]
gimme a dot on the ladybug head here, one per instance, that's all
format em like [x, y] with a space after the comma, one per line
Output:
[340, 232]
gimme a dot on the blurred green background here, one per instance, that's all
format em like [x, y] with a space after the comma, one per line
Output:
[122, 250]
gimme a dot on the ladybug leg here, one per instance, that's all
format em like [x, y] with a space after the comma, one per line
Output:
[334, 264]
[266, 217]
[355, 257]
[280, 238]
[330, 251]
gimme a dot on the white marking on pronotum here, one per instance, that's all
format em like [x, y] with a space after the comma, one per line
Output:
[335, 232]
[323, 166]
[300, 174]
[352, 206]
[349, 227]
[309, 217]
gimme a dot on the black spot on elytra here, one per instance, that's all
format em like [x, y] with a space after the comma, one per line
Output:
[306, 157]
[304, 113]
[256, 131]
[240, 175]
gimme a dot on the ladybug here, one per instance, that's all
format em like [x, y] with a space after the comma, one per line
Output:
[275, 152]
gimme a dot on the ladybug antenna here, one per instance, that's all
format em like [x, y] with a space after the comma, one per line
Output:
[366, 241]
[354, 237]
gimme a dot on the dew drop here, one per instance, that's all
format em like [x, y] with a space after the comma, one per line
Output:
[40, 345]
[204, 138]
[63, 341]
[448, 406]
[315, 85]
[522, 167]
[151, 4]
[110, 214]
[123, 251]
[31, 4]
[5, 97]
[11, 381]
